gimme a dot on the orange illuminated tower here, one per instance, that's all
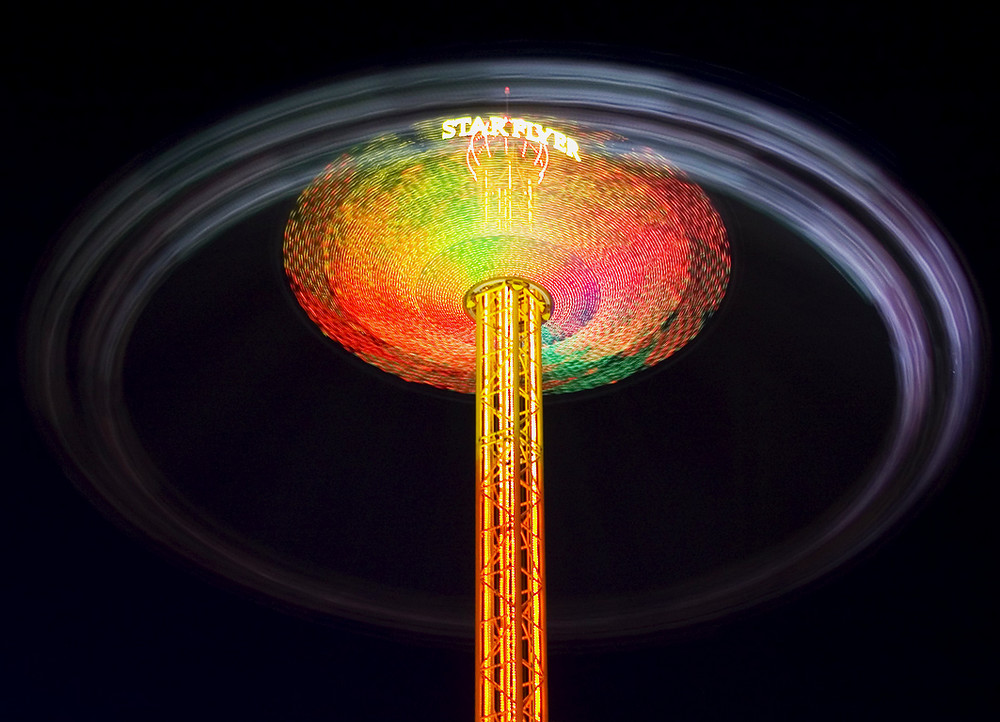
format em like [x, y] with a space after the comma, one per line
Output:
[510, 562]
[610, 269]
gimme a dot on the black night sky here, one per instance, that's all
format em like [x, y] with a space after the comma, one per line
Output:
[101, 625]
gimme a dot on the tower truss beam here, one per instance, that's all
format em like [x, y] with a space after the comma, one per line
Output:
[510, 601]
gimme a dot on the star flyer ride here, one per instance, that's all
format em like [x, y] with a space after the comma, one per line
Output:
[582, 261]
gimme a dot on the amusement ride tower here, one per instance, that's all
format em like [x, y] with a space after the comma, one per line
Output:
[581, 259]
[420, 204]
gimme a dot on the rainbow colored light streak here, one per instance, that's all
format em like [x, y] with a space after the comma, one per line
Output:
[383, 246]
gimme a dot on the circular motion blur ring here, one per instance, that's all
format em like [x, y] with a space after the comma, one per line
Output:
[112, 259]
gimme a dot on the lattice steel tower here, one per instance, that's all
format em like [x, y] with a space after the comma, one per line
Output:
[510, 601]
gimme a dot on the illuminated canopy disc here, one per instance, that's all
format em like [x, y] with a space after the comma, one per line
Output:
[383, 246]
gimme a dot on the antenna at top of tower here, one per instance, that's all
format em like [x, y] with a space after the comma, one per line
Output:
[506, 93]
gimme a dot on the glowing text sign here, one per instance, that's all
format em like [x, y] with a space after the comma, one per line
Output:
[510, 128]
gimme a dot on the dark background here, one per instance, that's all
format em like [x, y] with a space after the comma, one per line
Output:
[99, 626]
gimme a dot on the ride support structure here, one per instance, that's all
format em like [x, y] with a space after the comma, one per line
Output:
[511, 681]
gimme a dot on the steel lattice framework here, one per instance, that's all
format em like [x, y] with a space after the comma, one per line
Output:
[510, 604]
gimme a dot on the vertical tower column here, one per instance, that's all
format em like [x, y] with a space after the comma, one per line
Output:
[510, 599]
